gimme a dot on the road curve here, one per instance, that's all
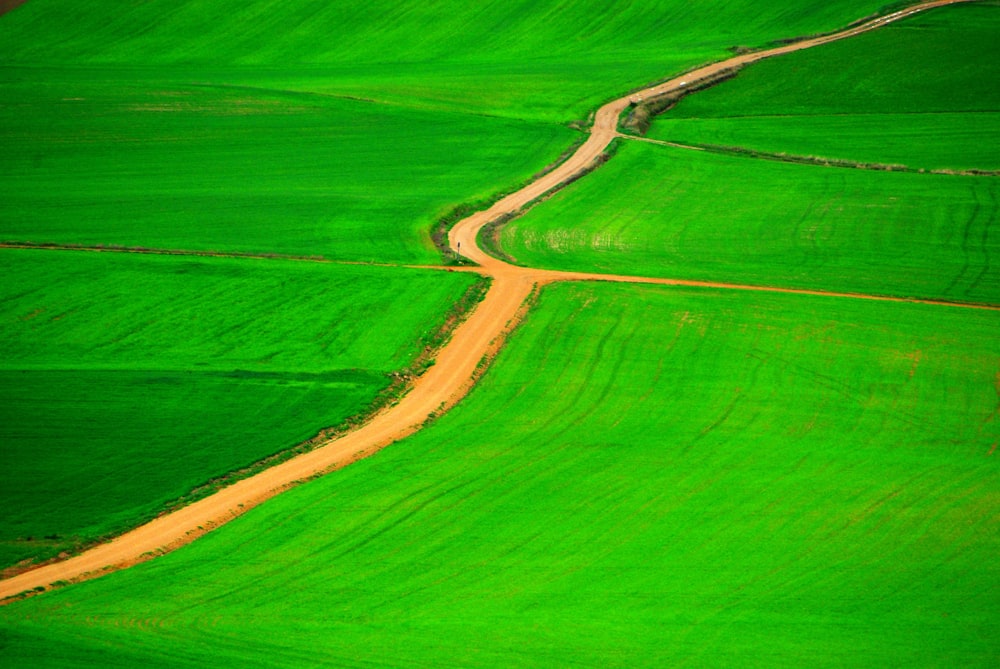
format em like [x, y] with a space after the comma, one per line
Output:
[441, 386]
[605, 129]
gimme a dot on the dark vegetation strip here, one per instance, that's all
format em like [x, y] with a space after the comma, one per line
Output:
[400, 383]
[814, 160]
[642, 112]
[118, 248]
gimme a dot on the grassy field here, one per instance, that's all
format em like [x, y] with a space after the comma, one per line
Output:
[128, 380]
[544, 60]
[179, 165]
[931, 102]
[661, 211]
[271, 126]
[647, 477]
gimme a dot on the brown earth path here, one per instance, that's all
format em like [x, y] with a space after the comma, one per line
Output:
[456, 368]
[8, 5]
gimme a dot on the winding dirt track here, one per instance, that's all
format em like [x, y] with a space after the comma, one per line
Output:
[440, 387]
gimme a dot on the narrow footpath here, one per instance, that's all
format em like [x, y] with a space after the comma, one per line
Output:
[457, 364]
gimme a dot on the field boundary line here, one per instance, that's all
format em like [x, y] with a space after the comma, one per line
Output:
[195, 253]
[817, 161]
[558, 275]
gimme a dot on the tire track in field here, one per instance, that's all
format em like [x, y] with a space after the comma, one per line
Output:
[458, 364]
[985, 243]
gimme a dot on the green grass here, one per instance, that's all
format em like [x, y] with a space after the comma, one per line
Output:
[931, 102]
[230, 125]
[660, 211]
[150, 157]
[542, 59]
[178, 165]
[127, 381]
[647, 477]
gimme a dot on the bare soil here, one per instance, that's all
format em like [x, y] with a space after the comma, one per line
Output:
[7, 5]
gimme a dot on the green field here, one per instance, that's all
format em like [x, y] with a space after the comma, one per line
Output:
[544, 60]
[931, 102]
[177, 165]
[647, 477]
[661, 211]
[128, 380]
[342, 131]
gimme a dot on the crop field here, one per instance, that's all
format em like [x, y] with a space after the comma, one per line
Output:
[647, 476]
[542, 60]
[662, 211]
[128, 380]
[644, 476]
[936, 108]
[168, 165]
[266, 126]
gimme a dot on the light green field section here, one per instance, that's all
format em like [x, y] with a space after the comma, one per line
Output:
[127, 381]
[647, 477]
[161, 164]
[920, 93]
[661, 211]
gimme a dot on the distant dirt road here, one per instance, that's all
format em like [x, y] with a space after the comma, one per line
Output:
[442, 385]
[7, 5]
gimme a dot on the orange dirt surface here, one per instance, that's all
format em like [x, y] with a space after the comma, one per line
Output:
[7, 5]
[457, 365]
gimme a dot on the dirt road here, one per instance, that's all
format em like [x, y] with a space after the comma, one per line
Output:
[440, 387]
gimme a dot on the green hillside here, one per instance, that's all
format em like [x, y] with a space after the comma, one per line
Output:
[184, 165]
[252, 125]
[647, 477]
[546, 58]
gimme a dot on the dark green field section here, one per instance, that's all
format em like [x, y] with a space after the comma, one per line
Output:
[647, 477]
[89, 159]
[126, 381]
[662, 211]
[920, 93]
